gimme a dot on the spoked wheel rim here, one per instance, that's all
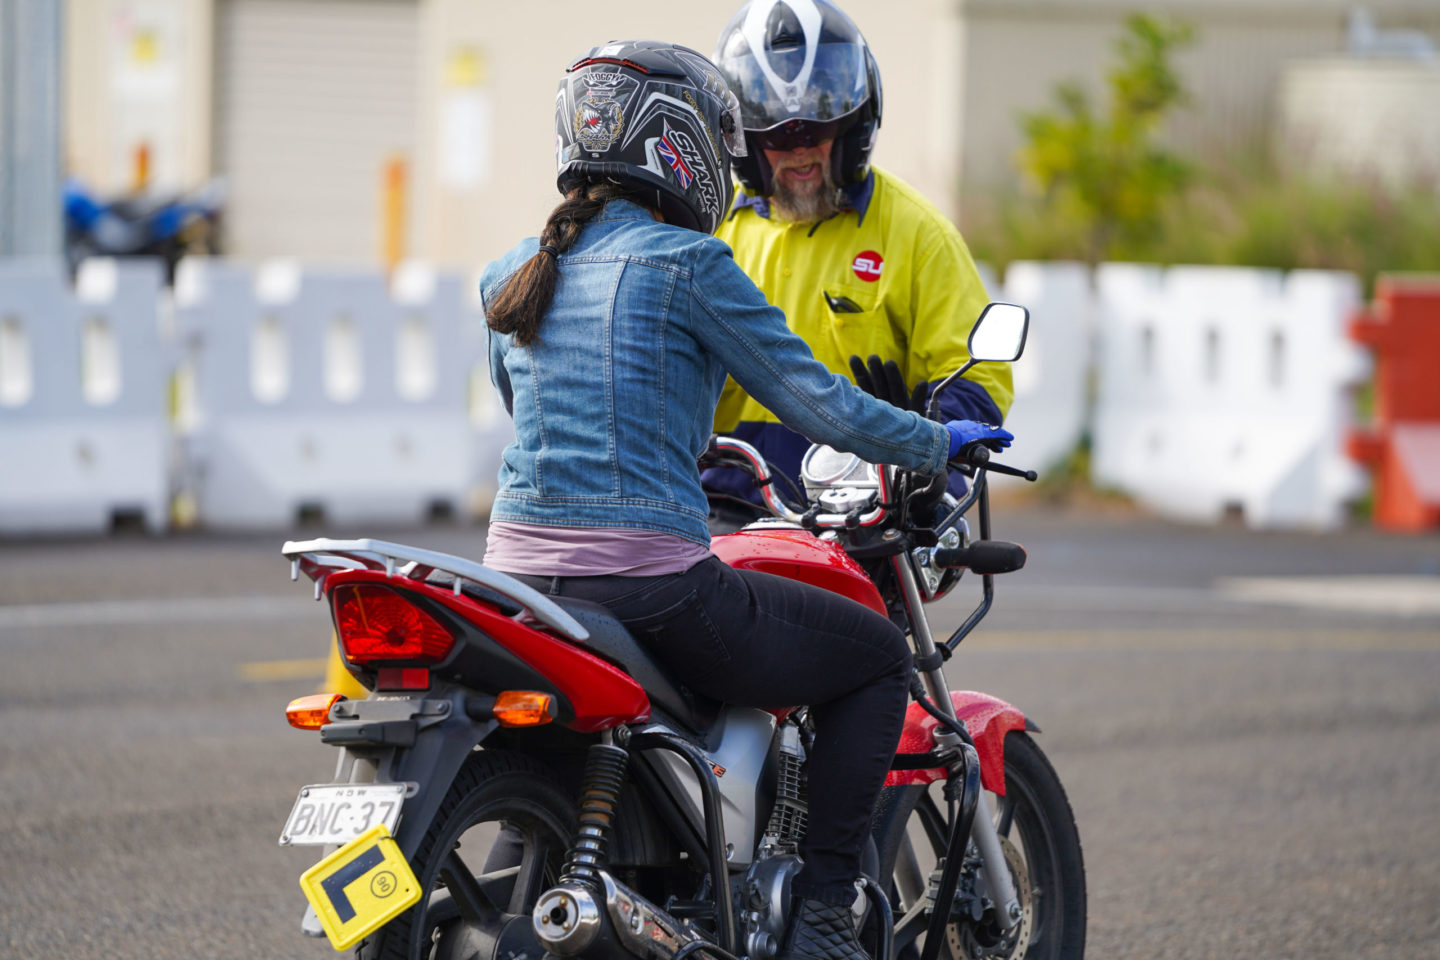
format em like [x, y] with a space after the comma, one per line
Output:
[478, 887]
[1029, 852]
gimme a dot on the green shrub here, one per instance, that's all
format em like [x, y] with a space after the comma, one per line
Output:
[1104, 173]
[1097, 186]
[1240, 212]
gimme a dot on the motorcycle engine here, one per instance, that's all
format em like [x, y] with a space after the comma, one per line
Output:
[765, 900]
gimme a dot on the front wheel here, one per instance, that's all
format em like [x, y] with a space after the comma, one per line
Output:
[466, 911]
[1042, 848]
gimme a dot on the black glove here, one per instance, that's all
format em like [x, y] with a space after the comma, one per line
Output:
[884, 382]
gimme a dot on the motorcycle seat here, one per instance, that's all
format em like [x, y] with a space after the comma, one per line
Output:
[612, 642]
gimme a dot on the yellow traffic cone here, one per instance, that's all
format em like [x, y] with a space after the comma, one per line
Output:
[338, 679]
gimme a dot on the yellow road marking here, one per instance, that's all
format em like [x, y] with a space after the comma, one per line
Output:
[313, 667]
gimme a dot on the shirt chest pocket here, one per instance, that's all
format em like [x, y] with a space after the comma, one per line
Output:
[855, 321]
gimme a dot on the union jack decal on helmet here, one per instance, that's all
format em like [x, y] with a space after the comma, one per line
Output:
[671, 155]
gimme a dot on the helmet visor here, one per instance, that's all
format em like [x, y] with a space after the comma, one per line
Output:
[787, 83]
[732, 124]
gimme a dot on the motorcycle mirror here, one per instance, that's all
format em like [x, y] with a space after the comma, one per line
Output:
[999, 333]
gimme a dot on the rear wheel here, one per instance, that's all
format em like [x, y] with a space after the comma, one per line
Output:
[465, 912]
[1042, 848]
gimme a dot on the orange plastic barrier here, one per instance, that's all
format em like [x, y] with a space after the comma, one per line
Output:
[1402, 445]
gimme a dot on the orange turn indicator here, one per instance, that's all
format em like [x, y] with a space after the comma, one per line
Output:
[523, 708]
[312, 712]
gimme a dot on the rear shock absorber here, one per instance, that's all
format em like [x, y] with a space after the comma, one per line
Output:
[599, 797]
[571, 916]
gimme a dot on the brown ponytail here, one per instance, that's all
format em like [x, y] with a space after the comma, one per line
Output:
[522, 302]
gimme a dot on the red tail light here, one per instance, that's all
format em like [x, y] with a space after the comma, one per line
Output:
[379, 625]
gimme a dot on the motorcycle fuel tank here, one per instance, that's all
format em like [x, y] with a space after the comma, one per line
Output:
[798, 555]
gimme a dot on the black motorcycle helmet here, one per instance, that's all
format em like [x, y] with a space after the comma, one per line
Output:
[803, 75]
[655, 118]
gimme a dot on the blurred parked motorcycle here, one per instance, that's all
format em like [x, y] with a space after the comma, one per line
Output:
[168, 227]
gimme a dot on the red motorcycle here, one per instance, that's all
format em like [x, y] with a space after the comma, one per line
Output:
[524, 778]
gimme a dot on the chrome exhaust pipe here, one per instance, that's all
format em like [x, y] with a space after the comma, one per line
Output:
[568, 921]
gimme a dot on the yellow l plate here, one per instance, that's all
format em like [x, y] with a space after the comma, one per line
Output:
[360, 887]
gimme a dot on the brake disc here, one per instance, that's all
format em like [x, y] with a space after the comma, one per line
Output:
[967, 941]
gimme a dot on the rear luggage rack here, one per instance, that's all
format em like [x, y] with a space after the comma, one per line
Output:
[318, 558]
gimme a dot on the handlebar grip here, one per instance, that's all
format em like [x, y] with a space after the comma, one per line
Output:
[976, 453]
[983, 556]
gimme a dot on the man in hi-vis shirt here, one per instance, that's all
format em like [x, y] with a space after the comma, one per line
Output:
[858, 260]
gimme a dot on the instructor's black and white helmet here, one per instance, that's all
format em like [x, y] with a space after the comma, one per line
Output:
[655, 118]
[803, 74]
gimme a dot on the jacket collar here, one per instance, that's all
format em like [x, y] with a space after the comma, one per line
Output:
[857, 198]
[621, 209]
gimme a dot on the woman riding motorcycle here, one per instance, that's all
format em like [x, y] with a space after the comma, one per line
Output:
[610, 340]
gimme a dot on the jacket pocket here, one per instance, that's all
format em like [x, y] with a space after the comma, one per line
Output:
[683, 637]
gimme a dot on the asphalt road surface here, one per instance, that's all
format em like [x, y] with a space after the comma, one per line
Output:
[1248, 727]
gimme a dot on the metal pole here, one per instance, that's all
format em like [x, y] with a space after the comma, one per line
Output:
[30, 165]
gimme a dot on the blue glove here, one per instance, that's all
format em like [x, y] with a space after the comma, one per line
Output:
[963, 432]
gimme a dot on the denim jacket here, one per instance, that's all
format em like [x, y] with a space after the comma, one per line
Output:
[616, 398]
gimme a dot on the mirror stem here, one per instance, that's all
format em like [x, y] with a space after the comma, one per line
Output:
[933, 407]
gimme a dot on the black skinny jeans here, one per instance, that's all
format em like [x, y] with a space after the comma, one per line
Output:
[757, 640]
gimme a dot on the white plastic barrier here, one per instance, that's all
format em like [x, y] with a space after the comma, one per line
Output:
[491, 428]
[1048, 416]
[1224, 388]
[324, 391]
[83, 431]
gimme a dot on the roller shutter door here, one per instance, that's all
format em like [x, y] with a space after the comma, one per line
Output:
[313, 98]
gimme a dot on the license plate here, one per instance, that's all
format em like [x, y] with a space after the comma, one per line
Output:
[338, 813]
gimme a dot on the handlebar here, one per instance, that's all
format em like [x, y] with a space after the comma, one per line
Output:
[761, 471]
[982, 556]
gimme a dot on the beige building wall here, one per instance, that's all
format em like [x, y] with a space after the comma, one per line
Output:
[481, 168]
[486, 160]
[956, 72]
[138, 72]
[1369, 118]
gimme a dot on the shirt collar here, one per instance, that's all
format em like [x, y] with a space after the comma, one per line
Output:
[857, 198]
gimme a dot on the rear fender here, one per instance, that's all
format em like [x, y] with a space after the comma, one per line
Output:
[430, 762]
[987, 718]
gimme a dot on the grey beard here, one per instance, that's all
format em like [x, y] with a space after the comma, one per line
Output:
[806, 208]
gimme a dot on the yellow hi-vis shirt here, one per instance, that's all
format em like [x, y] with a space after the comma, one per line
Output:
[892, 278]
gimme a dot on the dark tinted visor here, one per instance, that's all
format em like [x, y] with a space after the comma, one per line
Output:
[789, 134]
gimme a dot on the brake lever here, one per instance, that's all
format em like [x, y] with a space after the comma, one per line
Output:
[977, 456]
[994, 467]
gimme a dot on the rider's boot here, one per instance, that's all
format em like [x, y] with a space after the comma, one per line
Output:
[821, 931]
